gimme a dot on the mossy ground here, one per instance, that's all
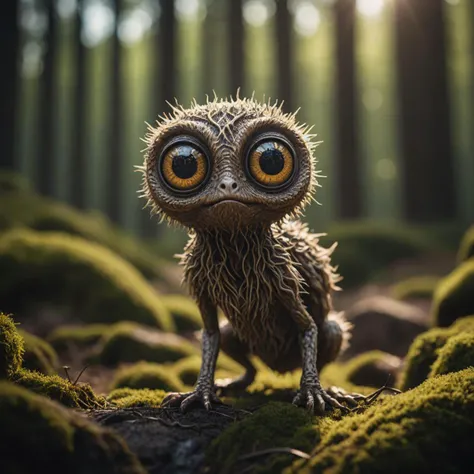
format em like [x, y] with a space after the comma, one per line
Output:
[131, 342]
[38, 435]
[415, 287]
[63, 269]
[425, 351]
[130, 397]
[39, 355]
[147, 375]
[453, 297]
[11, 347]
[457, 354]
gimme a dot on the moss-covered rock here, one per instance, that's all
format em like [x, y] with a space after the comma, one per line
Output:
[466, 250]
[130, 342]
[11, 347]
[274, 425]
[60, 269]
[457, 354]
[56, 388]
[130, 397]
[415, 287]
[184, 312]
[372, 369]
[454, 296]
[367, 248]
[67, 338]
[26, 209]
[38, 435]
[39, 355]
[425, 350]
[148, 375]
[428, 429]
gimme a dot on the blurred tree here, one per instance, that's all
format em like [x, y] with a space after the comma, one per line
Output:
[235, 27]
[348, 174]
[47, 93]
[284, 47]
[208, 37]
[79, 160]
[424, 120]
[10, 37]
[116, 165]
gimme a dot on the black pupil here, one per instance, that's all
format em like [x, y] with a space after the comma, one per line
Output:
[272, 161]
[184, 162]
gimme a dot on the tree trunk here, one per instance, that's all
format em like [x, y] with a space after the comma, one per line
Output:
[235, 24]
[348, 179]
[424, 112]
[10, 36]
[47, 93]
[115, 166]
[79, 159]
[284, 45]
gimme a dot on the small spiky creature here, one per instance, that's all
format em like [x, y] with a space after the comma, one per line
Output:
[237, 173]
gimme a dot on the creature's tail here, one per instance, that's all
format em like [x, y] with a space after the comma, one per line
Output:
[344, 327]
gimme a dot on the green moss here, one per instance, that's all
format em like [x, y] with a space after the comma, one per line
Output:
[372, 369]
[65, 338]
[274, 425]
[130, 397]
[58, 389]
[11, 347]
[184, 311]
[148, 375]
[454, 296]
[466, 250]
[130, 342]
[63, 269]
[366, 248]
[187, 369]
[44, 214]
[425, 349]
[415, 287]
[427, 429]
[457, 354]
[39, 355]
[38, 435]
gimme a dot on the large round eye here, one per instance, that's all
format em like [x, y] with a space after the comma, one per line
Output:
[271, 162]
[184, 166]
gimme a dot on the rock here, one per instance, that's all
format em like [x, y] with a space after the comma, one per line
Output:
[384, 324]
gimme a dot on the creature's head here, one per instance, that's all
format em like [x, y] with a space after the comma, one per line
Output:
[228, 164]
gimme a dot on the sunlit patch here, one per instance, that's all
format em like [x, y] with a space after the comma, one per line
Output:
[135, 25]
[99, 23]
[257, 12]
[307, 18]
[370, 8]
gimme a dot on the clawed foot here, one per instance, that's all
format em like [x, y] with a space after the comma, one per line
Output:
[203, 396]
[315, 399]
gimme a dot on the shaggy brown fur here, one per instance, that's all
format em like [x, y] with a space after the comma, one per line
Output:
[247, 253]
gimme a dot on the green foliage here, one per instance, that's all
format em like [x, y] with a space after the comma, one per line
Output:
[184, 311]
[38, 435]
[58, 389]
[425, 350]
[80, 337]
[415, 287]
[427, 429]
[130, 397]
[39, 355]
[65, 269]
[466, 250]
[148, 375]
[454, 296]
[27, 209]
[366, 248]
[456, 354]
[131, 342]
[11, 347]
[274, 425]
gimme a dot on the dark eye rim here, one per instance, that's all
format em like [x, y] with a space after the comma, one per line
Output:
[195, 143]
[255, 143]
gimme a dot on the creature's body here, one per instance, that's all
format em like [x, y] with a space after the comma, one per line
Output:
[237, 173]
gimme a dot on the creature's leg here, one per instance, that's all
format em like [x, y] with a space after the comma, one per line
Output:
[204, 390]
[238, 351]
